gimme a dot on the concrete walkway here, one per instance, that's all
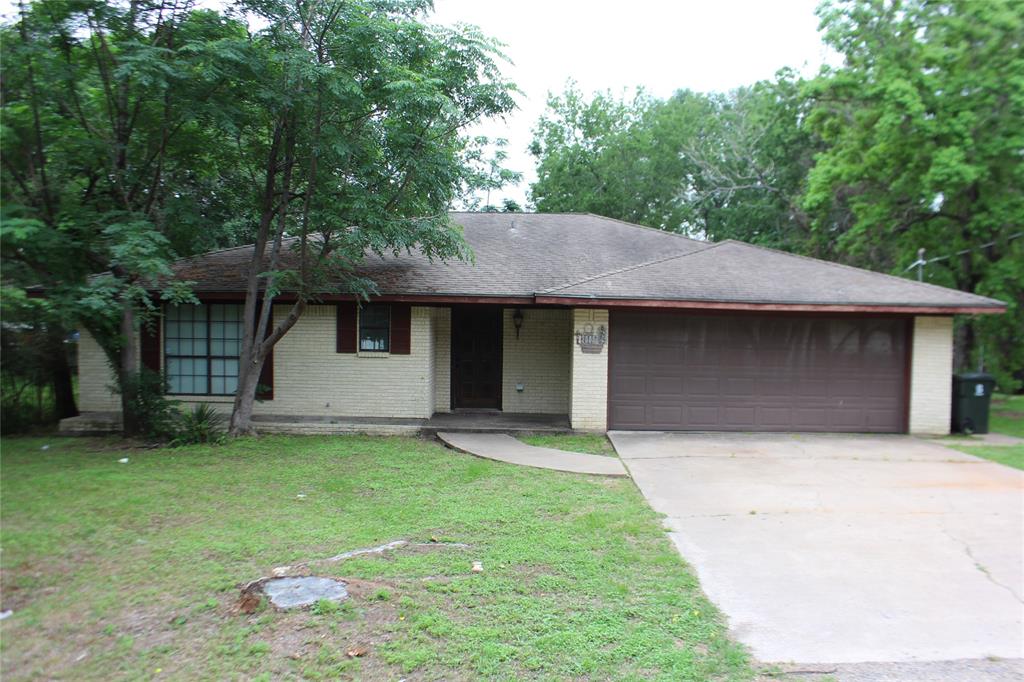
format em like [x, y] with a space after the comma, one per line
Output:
[505, 448]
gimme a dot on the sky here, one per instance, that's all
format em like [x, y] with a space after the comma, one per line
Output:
[660, 45]
[663, 46]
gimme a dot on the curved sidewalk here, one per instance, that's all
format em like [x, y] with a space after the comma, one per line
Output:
[505, 448]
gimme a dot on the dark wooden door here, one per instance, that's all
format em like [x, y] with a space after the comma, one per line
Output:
[754, 373]
[476, 357]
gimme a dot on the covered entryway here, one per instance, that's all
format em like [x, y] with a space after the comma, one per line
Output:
[679, 371]
[476, 357]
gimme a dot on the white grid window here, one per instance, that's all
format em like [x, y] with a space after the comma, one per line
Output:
[201, 348]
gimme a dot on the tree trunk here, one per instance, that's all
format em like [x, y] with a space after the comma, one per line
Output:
[60, 374]
[128, 371]
[245, 397]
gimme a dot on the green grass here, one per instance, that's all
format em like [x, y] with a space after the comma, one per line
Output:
[132, 571]
[590, 443]
[1010, 455]
[1007, 415]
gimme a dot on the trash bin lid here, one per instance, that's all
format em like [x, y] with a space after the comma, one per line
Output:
[975, 376]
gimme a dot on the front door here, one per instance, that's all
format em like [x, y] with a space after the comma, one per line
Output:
[476, 357]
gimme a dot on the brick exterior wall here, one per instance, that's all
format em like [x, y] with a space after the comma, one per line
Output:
[589, 375]
[310, 378]
[538, 360]
[931, 371]
[442, 359]
[95, 377]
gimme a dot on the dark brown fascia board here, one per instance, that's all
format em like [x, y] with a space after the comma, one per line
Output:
[425, 299]
[586, 302]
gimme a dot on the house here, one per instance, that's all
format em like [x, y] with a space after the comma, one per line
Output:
[597, 322]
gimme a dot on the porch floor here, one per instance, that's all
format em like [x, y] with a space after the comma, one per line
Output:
[494, 421]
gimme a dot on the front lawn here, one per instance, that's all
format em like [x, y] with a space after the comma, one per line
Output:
[1010, 455]
[132, 570]
[1007, 415]
[589, 443]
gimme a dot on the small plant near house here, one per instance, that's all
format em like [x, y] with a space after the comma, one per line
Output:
[154, 413]
[202, 424]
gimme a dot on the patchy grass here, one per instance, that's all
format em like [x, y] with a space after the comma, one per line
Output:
[132, 570]
[1010, 455]
[1007, 415]
[590, 443]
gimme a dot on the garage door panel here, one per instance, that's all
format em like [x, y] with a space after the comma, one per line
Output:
[703, 417]
[673, 371]
[698, 386]
[738, 387]
[631, 385]
[664, 415]
[629, 414]
[781, 417]
[667, 386]
[670, 356]
[809, 419]
[738, 417]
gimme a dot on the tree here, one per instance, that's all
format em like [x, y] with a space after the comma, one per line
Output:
[718, 165]
[612, 157]
[486, 159]
[354, 144]
[923, 127]
[107, 158]
[750, 165]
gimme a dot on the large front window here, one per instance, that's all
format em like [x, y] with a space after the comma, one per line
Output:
[201, 349]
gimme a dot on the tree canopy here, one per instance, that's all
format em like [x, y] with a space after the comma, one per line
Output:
[135, 132]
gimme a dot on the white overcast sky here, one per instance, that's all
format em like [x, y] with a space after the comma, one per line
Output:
[661, 45]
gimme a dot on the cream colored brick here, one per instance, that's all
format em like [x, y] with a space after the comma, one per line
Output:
[311, 379]
[589, 374]
[538, 360]
[931, 375]
[95, 377]
[442, 359]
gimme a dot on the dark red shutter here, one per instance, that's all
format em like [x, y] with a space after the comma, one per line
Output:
[401, 329]
[345, 336]
[149, 344]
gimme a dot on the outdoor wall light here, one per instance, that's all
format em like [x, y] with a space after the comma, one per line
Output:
[517, 320]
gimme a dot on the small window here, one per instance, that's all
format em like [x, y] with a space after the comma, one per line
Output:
[375, 328]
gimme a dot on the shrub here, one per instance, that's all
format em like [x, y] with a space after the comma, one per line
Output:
[154, 415]
[202, 424]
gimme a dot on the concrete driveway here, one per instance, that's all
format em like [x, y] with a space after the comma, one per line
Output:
[837, 549]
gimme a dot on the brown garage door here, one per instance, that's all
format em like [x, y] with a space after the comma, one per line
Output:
[774, 373]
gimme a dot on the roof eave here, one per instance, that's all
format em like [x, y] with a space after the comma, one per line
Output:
[587, 301]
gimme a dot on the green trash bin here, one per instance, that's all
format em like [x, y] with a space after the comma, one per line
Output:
[972, 392]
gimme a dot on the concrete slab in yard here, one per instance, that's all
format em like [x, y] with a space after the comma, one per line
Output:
[837, 549]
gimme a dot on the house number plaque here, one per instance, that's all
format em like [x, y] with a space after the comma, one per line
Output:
[591, 340]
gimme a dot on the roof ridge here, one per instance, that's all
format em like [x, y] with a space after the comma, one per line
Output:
[627, 268]
[226, 249]
[903, 280]
[647, 227]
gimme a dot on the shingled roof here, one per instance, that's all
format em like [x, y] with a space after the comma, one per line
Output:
[584, 259]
